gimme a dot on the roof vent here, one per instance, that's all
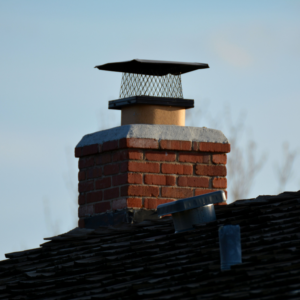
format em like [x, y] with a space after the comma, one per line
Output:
[230, 246]
[191, 211]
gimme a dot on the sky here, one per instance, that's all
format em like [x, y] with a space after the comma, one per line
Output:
[51, 95]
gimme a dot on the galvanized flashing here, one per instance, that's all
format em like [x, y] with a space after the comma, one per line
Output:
[192, 211]
[191, 203]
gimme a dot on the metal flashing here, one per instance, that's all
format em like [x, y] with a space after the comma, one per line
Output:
[192, 211]
[190, 203]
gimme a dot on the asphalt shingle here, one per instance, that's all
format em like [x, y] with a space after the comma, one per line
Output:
[148, 261]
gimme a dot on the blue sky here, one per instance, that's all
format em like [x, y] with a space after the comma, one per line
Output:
[51, 95]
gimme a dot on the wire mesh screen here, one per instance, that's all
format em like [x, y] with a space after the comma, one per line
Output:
[149, 85]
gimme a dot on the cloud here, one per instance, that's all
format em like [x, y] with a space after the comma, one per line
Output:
[256, 44]
[231, 52]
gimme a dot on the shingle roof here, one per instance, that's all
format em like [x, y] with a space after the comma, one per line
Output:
[148, 261]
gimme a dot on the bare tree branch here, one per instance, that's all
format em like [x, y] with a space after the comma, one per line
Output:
[53, 225]
[285, 170]
[243, 162]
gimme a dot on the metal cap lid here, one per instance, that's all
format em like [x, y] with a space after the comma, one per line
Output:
[152, 67]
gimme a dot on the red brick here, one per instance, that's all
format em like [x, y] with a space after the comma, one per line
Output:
[144, 167]
[193, 158]
[78, 152]
[103, 158]
[94, 173]
[111, 169]
[160, 156]
[221, 203]
[111, 145]
[123, 167]
[159, 179]
[203, 191]
[85, 186]
[119, 179]
[103, 183]
[193, 181]
[81, 175]
[214, 147]
[90, 150]
[81, 211]
[139, 143]
[86, 162]
[176, 145]
[135, 178]
[177, 169]
[219, 183]
[81, 199]
[195, 146]
[173, 192]
[210, 170]
[134, 202]
[85, 210]
[101, 207]
[127, 154]
[219, 159]
[111, 193]
[127, 178]
[138, 190]
[81, 223]
[119, 204]
[94, 197]
[152, 203]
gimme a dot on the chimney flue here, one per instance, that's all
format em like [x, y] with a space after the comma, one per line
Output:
[151, 91]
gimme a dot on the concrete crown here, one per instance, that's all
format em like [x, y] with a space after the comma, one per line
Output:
[158, 132]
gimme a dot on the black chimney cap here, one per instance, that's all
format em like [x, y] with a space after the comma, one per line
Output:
[152, 67]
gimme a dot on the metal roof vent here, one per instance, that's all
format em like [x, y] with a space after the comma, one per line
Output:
[191, 211]
[230, 246]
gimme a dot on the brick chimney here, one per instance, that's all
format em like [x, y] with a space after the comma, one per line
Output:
[127, 171]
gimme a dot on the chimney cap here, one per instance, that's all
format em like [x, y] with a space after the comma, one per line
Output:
[191, 203]
[152, 67]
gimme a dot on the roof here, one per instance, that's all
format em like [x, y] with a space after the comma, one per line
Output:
[148, 261]
[152, 67]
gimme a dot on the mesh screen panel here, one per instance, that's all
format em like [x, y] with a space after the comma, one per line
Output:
[149, 85]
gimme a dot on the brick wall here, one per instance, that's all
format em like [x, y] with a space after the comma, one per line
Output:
[143, 173]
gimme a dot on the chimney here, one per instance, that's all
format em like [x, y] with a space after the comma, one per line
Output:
[152, 158]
